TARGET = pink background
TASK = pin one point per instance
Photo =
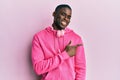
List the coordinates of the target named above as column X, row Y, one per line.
column 98, row 21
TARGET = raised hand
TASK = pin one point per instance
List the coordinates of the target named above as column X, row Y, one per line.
column 71, row 50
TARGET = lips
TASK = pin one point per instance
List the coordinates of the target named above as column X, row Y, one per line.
column 64, row 23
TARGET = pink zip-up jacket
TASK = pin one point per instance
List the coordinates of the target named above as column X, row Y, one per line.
column 50, row 59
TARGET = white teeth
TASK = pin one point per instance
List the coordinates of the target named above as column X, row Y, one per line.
column 64, row 23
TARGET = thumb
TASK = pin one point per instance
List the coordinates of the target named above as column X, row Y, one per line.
column 69, row 43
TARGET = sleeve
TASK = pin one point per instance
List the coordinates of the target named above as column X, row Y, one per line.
column 42, row 65
column 80, row 63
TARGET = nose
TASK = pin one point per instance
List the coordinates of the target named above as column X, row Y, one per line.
column 66, row 18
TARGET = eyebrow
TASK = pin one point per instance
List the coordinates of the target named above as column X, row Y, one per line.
column 66, row 14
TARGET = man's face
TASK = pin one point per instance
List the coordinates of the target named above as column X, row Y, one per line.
column 62, row 18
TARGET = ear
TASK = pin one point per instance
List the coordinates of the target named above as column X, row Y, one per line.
column 54, row 13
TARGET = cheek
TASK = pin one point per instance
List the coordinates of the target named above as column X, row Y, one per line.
column 58, row 19
column 68, row 21
column 61, row 17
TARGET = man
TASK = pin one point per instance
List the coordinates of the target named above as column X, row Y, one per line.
column 57, row 52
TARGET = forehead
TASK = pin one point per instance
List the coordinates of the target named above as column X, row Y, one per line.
column 65, row 9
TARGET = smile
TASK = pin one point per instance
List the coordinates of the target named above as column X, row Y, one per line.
column 64, row 23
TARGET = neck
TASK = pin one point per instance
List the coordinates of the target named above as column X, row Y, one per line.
column 56, row 27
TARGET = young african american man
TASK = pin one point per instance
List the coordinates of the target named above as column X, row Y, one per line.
column 57, row 51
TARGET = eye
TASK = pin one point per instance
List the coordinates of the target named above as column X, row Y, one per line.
column 63, row 14
column 69, row 17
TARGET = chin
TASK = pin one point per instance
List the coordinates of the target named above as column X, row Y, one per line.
column 63, row 27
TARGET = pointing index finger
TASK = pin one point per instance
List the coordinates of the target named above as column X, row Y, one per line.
column 79, row 45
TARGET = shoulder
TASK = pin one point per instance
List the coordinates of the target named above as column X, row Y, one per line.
column 40, row 33
column 75, row 35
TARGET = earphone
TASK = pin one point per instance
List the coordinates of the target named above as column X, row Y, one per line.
column 60, row 33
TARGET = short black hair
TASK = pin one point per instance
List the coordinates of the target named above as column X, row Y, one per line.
column 62, row 6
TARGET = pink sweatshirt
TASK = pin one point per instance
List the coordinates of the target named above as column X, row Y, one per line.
column 51, row 60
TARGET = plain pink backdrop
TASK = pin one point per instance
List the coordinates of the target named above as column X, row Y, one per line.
column 98, row 21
